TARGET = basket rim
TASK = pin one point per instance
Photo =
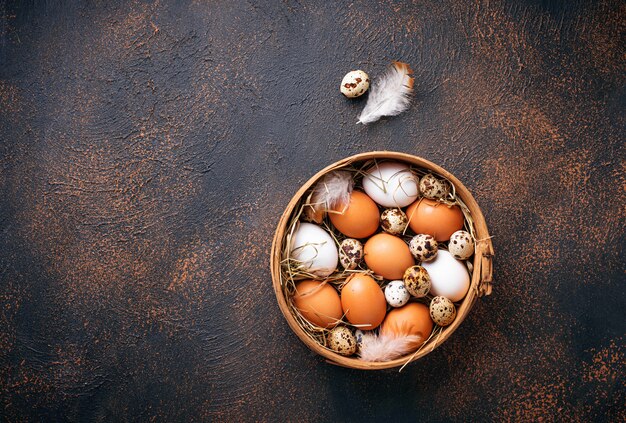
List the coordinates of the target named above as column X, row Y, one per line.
column 475, row 285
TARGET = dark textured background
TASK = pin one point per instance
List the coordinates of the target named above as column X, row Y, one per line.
column 149, row 148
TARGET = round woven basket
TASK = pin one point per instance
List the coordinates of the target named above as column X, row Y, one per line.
column 482, row 262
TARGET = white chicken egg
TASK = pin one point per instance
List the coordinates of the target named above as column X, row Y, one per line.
column 314, row 249
column 448, row 276
column 391, row 184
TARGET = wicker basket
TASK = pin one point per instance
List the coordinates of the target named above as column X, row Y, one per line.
column 481, row 275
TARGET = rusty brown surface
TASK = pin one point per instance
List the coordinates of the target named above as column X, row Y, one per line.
column 147, row 150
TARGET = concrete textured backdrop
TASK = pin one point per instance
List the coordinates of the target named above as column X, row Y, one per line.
column 148, row 149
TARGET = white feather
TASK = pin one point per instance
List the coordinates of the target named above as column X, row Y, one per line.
column 389, row 96
column 332, row 191
column 387, row 346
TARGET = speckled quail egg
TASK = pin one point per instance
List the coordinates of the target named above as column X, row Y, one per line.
column 417, row 281
column 355, row 83
column 350, row 253
column 341, row 340
column 358, row 336
column 396, row 294
column 461, row 245
column 393, row 221
column 432, row 187
column 423, row 247
column 442, row 311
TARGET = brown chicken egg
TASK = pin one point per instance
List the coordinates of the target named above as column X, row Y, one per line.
column 434, row 218
column 359, row 219
column 411, row 319
column 318, row 302
column 388, row 256
column 363, row 302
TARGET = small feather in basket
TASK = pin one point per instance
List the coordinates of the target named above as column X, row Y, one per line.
column 387, row 346
column 332, row 191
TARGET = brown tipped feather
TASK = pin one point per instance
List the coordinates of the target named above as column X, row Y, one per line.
column 389, row 96
column 331, row 191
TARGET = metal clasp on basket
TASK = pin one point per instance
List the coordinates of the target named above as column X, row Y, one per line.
column 485, row 249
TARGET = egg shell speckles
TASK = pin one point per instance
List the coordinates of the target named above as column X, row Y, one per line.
column 433, row 188
column 350, row 253
column 355, row 84
column 442, row 311
column 342, row 341
column 417, row 281
column 393, row 221
column 358, row 336
column 461, row 245
column 396, row 294
column 424, row 247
